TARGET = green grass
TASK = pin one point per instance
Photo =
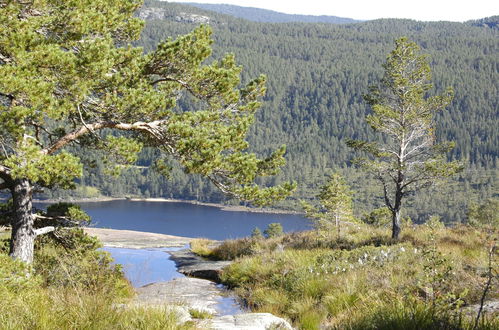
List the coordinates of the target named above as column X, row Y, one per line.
column 38, row 308
column 200, row 314
column 364, row 279
column 202, row 247
column 77, row 288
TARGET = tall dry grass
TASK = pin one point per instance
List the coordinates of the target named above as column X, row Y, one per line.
column 364, row 279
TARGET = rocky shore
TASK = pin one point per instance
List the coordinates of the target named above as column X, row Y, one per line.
column 182, row 295
column 136, row 239
column 231, row 208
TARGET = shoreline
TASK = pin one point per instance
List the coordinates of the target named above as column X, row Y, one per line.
column 78, row 200
column 132, row 239
column 229, row 208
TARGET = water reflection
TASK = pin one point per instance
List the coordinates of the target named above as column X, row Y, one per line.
column 145, row 266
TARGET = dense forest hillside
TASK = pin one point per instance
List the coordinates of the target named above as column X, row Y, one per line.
column 491, row 22
column 316, row 76
column 269, row 16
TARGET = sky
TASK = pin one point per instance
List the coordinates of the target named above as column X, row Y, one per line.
column 422, row 10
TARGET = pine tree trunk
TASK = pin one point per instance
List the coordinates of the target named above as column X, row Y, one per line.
column 337, row 224
column 396, row 224
column 397, row 207
column 23, row 234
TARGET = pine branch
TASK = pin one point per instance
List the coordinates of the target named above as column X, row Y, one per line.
column 151, row 128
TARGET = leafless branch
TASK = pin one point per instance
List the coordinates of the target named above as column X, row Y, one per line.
column 29, row 137
column 44, row 230
column 180, row 82
column 5, row 173
column 4, row 150
column 225, row 188
column 85, row 124
column 5, row 59
column 486, row 289
column 385, row 192
column 151, row 128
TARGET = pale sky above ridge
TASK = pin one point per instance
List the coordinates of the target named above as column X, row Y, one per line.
column 422, row 10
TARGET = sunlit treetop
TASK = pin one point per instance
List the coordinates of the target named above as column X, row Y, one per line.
column 67, row 71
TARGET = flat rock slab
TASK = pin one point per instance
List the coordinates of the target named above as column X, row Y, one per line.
column 182, row 294
column 193, row 292
column 248, row 321
column 490, row 307
column 136, row 239
column 191, row 264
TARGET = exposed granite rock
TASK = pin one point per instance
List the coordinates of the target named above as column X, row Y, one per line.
column 191, row 264
column 192, row 18
column 489, row 307
column 136, row 239
column 248, row 321
column 183, row 294
column 193, row 292
column 154, row 13
column 182, row 313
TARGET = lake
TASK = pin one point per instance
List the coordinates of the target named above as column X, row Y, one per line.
column 185, row 219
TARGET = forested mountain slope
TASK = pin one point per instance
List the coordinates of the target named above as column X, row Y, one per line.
column 490, row 22
column 269, row 16
column 317, row 74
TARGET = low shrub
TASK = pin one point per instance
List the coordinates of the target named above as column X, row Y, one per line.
column 77, row 262
column 202, row 247
column 273, row 230
column 200, row 314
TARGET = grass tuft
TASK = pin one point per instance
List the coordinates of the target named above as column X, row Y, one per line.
column 200, row 314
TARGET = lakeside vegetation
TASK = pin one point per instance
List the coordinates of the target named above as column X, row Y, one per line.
column 357, row 279
column 363, row 279
column 71, row 285
column 316, row 76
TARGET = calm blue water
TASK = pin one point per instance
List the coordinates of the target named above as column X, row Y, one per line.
column 145, row 266
column 184, row 219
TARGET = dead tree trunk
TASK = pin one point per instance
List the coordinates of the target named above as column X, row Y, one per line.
column 396, row 224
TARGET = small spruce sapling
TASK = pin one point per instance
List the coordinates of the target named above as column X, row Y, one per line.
column 335, row 205
column 273, row 230
column 257, row 233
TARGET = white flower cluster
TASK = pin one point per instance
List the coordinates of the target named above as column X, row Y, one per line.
column 373, row 257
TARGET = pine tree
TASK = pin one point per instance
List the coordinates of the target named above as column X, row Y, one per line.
column 408, row 159
column 68, row 72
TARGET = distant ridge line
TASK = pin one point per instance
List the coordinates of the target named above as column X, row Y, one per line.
column 269, row 16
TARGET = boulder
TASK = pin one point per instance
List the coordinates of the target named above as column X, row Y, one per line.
column 490, row 307
column 192, row 292
column 248, row 321
column 181, row 312
column 193, row 265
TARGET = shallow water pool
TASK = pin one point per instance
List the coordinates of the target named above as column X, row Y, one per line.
column 146, row 266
